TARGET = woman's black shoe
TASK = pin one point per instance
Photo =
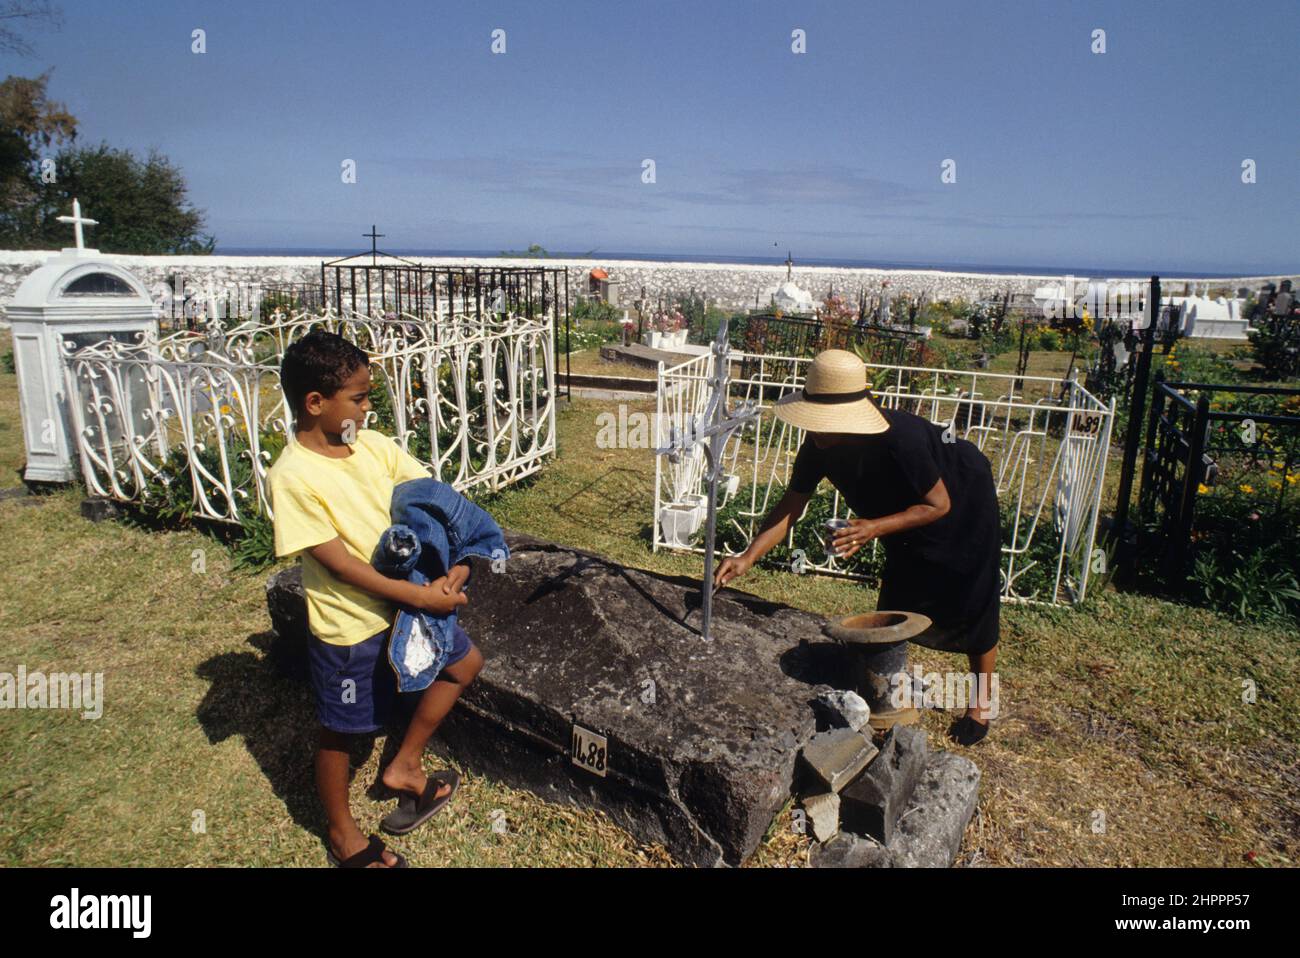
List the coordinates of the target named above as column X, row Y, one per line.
column 967, row 731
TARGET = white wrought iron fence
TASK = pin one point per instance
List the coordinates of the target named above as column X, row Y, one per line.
column 1046, row 439
column 473, row 399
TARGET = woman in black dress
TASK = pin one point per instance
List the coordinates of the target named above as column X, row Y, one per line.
column 927, row 495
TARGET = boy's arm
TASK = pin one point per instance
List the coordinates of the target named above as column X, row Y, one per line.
column 454, row 581
column 346, row 567
column 405, row 467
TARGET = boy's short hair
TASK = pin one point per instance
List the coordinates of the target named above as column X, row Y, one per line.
column 319, row 362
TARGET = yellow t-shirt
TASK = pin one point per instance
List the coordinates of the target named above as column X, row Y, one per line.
column 314, row 499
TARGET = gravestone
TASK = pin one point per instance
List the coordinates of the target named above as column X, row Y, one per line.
column 82, row 298
column 1205, row 318
column 597, row 689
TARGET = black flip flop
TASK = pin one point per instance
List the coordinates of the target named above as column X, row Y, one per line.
column 410, row 813
column 967, row 731
column 373, row 852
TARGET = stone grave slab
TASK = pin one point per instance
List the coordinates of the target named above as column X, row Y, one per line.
column 637, row 354
column 689, row 743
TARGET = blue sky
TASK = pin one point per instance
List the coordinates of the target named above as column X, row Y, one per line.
column 1128, row 159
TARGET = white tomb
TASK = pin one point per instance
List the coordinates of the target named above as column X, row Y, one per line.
column 1205, row 318
column 77, row 296
column 791, row 298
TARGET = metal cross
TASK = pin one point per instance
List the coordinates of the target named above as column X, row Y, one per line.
column 711, row 433
column 77, row 220
column 374, row 237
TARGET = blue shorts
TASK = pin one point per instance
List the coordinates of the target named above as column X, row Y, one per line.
column 356, row 688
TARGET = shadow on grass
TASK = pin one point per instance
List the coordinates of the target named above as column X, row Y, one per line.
column 605, row 501
column 267, row 700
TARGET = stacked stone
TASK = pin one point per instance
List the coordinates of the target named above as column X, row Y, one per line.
column 732, row 287
column 892, row 805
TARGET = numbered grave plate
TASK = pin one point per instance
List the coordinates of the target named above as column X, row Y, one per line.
column 1087, row 422
column 589, row 750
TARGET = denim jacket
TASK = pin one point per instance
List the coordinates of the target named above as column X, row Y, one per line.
column 434, row 528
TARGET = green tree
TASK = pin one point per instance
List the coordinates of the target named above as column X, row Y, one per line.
column 29, row 124
column 141, row 205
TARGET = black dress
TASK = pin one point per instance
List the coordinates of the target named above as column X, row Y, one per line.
column 949, row 569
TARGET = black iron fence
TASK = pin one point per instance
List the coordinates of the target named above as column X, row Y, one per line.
column 1221, row 465
column 444, row 292
column 394, row 288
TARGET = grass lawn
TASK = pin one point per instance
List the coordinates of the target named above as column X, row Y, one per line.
column 588, row 363
column 1129, row 707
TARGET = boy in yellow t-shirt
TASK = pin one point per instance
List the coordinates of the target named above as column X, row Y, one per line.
column 331, row 489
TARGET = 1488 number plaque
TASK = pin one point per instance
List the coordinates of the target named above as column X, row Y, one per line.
column 589, row 750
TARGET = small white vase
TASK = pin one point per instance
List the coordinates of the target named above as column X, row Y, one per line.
column 678, row 523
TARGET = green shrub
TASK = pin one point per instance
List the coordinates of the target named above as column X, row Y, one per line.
column 1190, row 363
column 1035, row 568
column 1252, row 586
column 594, row 311
column 998, row 341
column 169, row 501
column 809, row 534
column 1276, row 348
column 579, row 340
column 944, row 353
column 255, row 549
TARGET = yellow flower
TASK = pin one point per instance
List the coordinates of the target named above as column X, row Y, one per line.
column 1244, row 487
column 225, row 409
column 1202, row 488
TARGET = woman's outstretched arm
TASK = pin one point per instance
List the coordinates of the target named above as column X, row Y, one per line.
column 775, row 528
column 934, row 506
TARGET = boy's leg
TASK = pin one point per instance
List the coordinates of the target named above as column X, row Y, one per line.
column 332, row 775
column 340, row 679
column 406, row 773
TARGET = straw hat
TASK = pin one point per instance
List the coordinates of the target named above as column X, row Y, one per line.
column 835, row 397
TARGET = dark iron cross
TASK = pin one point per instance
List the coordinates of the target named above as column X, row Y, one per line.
column 374, row 237
column 711, row 433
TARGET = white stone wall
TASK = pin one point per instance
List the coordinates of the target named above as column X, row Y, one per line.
column 729, row 286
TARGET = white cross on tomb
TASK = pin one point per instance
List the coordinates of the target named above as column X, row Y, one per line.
column 77, row 220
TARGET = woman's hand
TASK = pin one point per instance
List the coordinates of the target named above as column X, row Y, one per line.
column 732, row 568
column 849, row 540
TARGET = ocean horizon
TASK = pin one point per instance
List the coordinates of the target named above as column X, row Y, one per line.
column 749, row 260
